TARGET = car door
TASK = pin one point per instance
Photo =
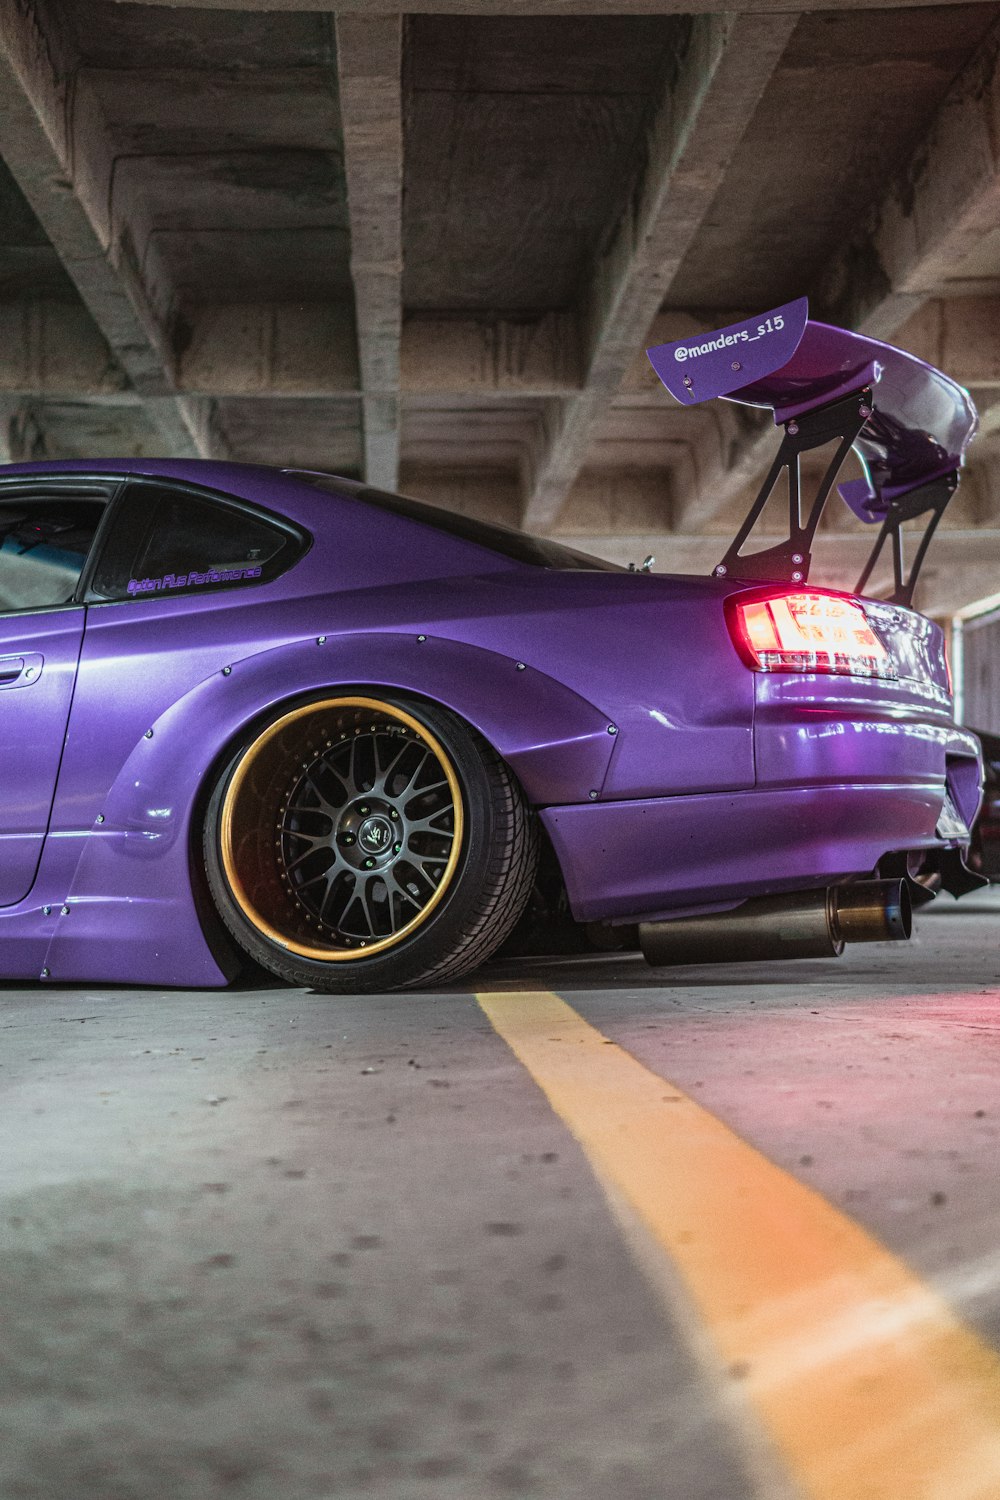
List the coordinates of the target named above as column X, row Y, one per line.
column 47, row 530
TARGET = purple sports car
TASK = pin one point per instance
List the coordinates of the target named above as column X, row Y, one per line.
column 277, row 715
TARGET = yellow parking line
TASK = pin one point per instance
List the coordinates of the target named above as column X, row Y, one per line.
column 867, row 1383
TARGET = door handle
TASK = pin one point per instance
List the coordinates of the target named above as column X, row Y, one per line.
column 20, row 671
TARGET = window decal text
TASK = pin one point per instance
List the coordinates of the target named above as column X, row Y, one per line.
column 194, row 579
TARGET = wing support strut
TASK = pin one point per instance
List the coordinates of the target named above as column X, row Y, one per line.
column 930, row 500
column 790, row 560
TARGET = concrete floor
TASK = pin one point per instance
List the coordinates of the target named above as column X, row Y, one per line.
column 270, row 1245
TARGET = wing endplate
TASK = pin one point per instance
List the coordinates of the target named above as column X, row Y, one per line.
column 716, row 364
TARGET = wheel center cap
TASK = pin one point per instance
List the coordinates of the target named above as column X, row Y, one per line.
column 375, row 835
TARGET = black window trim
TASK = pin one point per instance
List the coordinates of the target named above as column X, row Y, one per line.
column 298, row 534
column 78, row 486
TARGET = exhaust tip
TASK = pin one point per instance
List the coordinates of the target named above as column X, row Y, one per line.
column 872, row 911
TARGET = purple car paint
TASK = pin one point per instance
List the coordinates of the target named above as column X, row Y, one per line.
column 668, row 775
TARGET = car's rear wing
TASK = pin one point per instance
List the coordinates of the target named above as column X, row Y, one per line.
column 907, row 422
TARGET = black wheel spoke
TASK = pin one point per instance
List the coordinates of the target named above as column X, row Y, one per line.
column 396, row 882
column 303, row 836
column 412, row 775
column 307, row 885
column 300, row 859
column 304, row 810
column 310, row 781
column 405, row 905
column 347, row 923
column 431, row 823
column 338, row 895
column 355, row 775
column 378, row 913
column 418, row 799
column 384, row 773
column 416, row 882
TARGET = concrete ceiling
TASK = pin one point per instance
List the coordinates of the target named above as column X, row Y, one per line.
column 430, row 247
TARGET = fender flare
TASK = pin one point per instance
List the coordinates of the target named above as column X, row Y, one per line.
column 556, row 742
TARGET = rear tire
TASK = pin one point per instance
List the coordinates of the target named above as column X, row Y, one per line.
column 368, row 842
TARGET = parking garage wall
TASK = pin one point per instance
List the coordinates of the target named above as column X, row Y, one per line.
column 981, row 672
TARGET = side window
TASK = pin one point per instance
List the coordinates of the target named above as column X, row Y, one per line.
column 44, row 542
column 172, row 542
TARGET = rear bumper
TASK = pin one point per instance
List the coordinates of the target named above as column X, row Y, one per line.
column 648, row 858
column 858, row 731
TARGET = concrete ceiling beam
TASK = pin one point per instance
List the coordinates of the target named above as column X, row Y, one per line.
column 700, row 121
column 51, row 348
column 960, row 335
column 307, row 349
column 369, row 66
column 936, row 212
column 989, row 424
column 492, row 356
column 21, row 437
column 532, row 7
column 53, row 144
column 270, row 349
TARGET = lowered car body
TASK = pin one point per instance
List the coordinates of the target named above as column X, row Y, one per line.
column 274, row 713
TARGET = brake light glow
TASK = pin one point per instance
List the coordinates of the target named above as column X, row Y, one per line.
column 807, row 632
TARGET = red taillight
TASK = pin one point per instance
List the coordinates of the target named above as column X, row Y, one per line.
column 806, row 632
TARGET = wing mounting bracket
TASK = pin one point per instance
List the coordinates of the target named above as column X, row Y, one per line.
column 840, row 422
column 930, row 500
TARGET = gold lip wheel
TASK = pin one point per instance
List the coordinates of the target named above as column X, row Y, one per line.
column 238, row 825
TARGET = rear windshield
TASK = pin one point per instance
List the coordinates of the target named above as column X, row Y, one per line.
column 537, row 552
